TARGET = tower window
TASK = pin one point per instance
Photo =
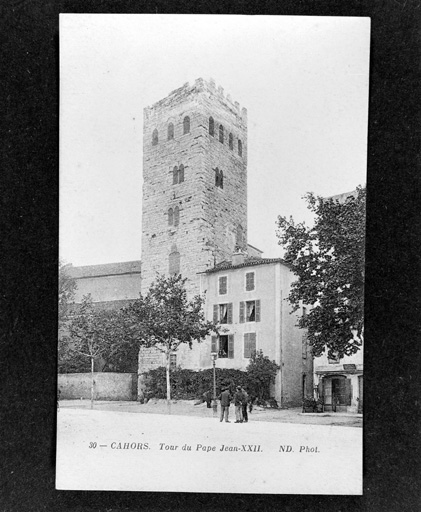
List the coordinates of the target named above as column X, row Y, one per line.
column 174, row 261
column 170, row 217
column 219, row 178
column 231, row 144
column 175, row 176
column 155, row 137
column 221, row 133
column 240, row 147
column 211, row 126
column 176, row 216
column 186, row 125
column 181, row 174
column 239, row 238
column 170, row 131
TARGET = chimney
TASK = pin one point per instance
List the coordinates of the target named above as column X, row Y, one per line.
column 238, row 258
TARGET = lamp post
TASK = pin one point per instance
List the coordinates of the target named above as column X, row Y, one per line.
column 215, row 407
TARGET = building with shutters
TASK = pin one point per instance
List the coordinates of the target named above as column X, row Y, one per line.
column 246, row 295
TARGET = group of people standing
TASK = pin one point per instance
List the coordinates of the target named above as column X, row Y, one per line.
column 241, row 400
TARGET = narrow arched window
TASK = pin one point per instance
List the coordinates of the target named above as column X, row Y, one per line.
column 175, row 176
column 170, row 217
column 186, row 125
column 181, row 174
column 221, row 179
column 217, row 177
column 155, row 137
column 240, row 147
column 176, row 216
column 231, row 143
column 239, row 236
column 170, row 131
column 221, row 133
column 174, row 261
column 211, row 126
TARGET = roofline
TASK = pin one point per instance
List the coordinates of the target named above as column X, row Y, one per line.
column 253, row 247
column 263, row 261
column 83, row 269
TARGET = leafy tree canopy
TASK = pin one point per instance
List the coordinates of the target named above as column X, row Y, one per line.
column 66, row 292
column 328, row 260
column 164, row 318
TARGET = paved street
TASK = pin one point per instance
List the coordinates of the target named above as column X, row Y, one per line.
column 187, row 408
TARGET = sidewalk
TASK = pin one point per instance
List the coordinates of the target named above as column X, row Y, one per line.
column 187, row 408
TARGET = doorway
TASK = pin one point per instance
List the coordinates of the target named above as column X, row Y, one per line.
column 336, row 393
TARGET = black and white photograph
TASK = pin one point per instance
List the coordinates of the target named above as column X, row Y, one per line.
column 212, row 209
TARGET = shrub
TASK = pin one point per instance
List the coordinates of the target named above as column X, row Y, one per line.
column 190, row 384
column 261, row 372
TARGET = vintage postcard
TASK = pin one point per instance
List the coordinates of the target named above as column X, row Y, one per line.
column 212, row 229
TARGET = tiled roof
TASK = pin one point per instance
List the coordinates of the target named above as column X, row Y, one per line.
column 249, row 262
column 107, row 269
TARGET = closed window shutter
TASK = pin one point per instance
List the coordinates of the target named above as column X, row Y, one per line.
column 229, row 313
column 231, row 346
column 252, row 343
column 246, row 345
column 222, row 285
column 214, row 344
column 348, row 392
column 250, row 281
column 215, row 313
column 257, row 310
column 241, row 312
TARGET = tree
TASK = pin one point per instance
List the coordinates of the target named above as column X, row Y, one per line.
column 88, row 335
column 261, row 372
column 66, row 292
column 328, row 260
column 165, row 319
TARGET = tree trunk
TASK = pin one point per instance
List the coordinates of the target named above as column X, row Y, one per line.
column 168, row 383
column 92, row 382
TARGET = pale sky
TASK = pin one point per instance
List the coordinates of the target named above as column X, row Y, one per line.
column 303, row 80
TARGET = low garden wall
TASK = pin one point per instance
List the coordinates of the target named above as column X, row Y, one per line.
column 107, row 386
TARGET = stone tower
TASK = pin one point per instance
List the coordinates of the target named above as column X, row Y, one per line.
column 195, row 182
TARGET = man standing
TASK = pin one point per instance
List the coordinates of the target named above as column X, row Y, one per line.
column 238, row 402
column 225, row 398
column 244, row 405
column 207, row 397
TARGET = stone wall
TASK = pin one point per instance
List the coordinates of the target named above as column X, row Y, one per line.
column 107, row 386
column 209, row 215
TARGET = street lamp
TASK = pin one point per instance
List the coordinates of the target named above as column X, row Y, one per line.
column 214, row 357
